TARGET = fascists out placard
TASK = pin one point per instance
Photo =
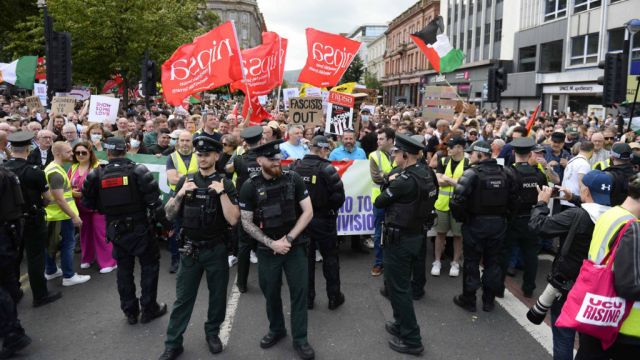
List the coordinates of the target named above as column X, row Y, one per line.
column 339, row 113
column 63, row 104
column 306, row 111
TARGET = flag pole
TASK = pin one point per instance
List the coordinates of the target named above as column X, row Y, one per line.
column 244, row 76
column 279, row 75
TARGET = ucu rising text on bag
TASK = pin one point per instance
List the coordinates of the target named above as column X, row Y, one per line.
column 601, row 310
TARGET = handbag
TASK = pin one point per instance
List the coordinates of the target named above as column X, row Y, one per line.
column 592, row 306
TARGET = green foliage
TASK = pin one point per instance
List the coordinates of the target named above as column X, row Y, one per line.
column 354, row 71
column 371, row 81
column 14, row 13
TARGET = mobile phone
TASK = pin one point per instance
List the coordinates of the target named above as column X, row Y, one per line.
column 555, row 192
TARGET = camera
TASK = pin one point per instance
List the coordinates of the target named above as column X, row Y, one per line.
column 538, row 311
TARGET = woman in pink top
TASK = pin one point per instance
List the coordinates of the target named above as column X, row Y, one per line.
column 93, row 231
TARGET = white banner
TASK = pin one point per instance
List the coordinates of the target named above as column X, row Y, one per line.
column 40, row 90
column 103, row 109
column 289, row 93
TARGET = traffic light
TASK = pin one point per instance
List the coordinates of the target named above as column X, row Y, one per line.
column 614, row 81
column 59, row 62
column 497, row 83
column 149, row 77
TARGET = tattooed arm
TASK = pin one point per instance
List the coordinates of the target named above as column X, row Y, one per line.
column 252, row 229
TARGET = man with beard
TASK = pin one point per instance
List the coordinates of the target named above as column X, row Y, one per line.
column 275, row 210
column 348, row 150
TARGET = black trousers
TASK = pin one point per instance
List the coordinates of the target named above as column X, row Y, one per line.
column 323, row 236
column 518, row 234
column 245, row 244
column 9, row 322
column 591, row 349
column 34, row 238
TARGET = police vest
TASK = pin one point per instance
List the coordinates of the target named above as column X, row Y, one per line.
column 414, row 214
column 385, row 165
column 118, row 191
column 528, row 177
column 181, row 168
column 601, row 165
column 250, row 166
column 309, row 170
column 605, row 231
column 444, row 195
column 32, row 198
column 202, row 211
column 12, row 200
column 54, row 212
column 490, row 196
column 276, row 207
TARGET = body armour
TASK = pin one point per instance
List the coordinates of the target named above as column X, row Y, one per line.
column 309, row 171
column 491, row 194
column 529, row 179
column 414, row 214
column 202, row 211
column 118, row 190
column 276, row 207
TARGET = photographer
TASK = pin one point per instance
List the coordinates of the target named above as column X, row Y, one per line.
column 574, row 226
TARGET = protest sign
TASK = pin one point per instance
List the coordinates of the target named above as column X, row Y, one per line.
column 306, row 111
column 263, row 99
column 289, row 93
column 33, row 102
column 339, row 113
column 63, row 105
column 313, row 91
column 261, row 67
column 103, row 109
column 439, row 103
column 40, row 90
column 436, row 113
column 441, row 92
column 78, row 93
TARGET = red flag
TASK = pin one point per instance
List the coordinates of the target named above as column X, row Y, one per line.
column 210, row 61
column 261, row 66
column 116, row 81
column 234, row 112
column 258, row 113
column 272, row 37
column 533, row 118
column 41, row 69
column 328, row 57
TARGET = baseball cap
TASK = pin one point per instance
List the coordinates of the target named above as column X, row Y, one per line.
column 320, row 141
column 115, row 143
column 621, row 151
column 458, row 140
column 599, row 184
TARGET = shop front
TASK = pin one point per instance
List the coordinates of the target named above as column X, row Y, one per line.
column 571, row 97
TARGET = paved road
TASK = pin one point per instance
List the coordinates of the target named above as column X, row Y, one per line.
column 88, row 324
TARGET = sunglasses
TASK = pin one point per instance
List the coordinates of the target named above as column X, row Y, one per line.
column 82, row 153
column 608, row 138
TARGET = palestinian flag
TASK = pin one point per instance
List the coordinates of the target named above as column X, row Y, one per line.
column 21, row 72
column 442, row 56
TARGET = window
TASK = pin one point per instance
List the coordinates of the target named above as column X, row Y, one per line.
column 527, row 59
column 469, row 38
column 461, row 40
column 487, row 33
column 584, row 49
column 616, row 39
column 477, row 36
column 635, row 52
column 551, row 57
column 498, row 31
column 555, row 9
column 582, row 5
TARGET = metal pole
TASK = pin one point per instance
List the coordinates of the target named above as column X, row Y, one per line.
column 144, row 87
column 48, row 32
column 633, row 105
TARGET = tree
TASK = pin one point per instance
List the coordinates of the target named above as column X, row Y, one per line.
column 14, row 12
column 371, row 81
column 354, row 71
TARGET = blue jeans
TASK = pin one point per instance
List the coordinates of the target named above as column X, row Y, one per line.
column 67, row 245
column 378, row 216
column 563, row 338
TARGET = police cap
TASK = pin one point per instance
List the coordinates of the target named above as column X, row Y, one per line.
column 320, row 141
column 252, row 134
column 406, row 143
column 115, row 143
column 456, row 140
column 523, row 145
column 269, row 150
column 480, row 146
column 21, row 138
column 205, row 144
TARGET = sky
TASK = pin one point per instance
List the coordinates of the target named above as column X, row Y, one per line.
column 289, row 18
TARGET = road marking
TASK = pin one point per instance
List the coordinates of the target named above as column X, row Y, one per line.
column 547, row 257
column 232, row 307
column 517, row 310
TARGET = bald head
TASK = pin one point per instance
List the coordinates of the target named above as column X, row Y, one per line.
column 185, row 145
column 34, row 126
column 62, row 152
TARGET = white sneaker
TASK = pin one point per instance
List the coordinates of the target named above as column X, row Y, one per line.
column 57, row 274
column 369, row 243
column 108, row 269
column 455, row 269
column 75, row 280
column 435, row 269
column 318, row 256
column 253, row 258
column 85, row 265
column 232, row 260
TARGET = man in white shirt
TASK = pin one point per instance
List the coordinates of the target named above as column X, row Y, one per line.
column 576, row 168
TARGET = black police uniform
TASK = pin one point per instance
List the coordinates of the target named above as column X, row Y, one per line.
column 275, row 207
column 620, row 173
column 33, row 184
column 327, row 196
column 246, row 165
column 128, row 195
column 203, row 250
column 10, row 235
column 528, row 179
column 408, row 202
column 481, row 201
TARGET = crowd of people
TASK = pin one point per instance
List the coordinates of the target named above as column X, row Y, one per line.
column 592, row 166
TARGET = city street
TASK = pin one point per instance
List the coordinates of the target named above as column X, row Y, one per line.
column 88, row 324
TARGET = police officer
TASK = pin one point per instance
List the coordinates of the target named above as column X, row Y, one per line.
column 36, row 195
column 14, row 336
column 244, row 166
column 407, row 203
column 207, row 205
column 126, row 193
column 481, row 200
column 275, row 209
column 528, row 179
column 621, row 170
column 327, row 196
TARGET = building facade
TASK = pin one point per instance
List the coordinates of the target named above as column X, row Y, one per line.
column 374, row 62
column 405, row 66
column 559, row 46
column 366, row 34
column 247, row 17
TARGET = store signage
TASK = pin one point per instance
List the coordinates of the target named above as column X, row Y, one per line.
column 572, row 89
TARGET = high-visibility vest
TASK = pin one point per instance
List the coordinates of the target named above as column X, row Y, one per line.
column 445, row 192
column 604, row 232
column 181, row 167
column 54, row 212
column 601, row 165
column 385, row 165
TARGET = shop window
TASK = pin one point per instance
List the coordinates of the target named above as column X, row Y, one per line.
column 582, row 5
column 527, row 59
column 616, row 39
column 551, row 57
column 584, row 49
column 555, row 9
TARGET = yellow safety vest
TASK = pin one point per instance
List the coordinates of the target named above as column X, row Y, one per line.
column 54, row 212
column 181, row 167
column 445, row 192
column 383, row 164
column 601, row 165
column 606, row 229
